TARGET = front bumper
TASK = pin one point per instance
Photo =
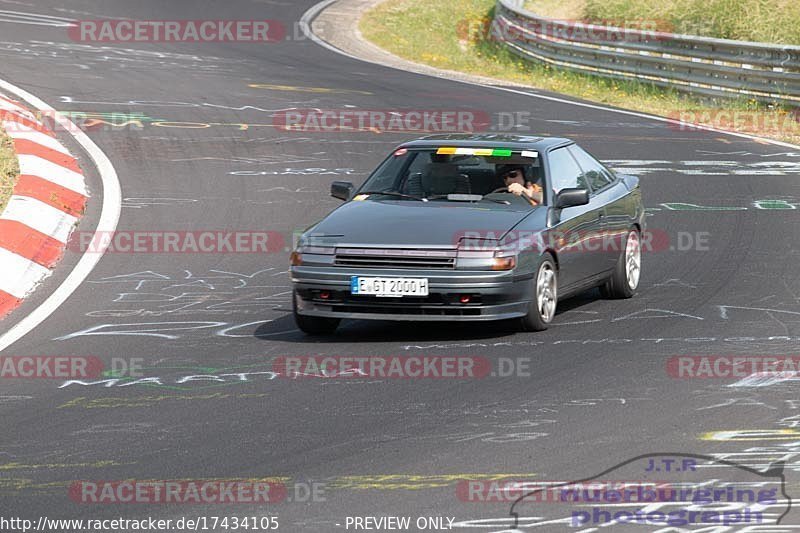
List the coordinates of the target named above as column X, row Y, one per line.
column 493, row 295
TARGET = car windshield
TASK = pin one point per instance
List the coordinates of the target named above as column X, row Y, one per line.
column 452, row 174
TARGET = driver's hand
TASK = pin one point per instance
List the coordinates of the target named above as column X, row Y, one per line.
column 537, row 194
column 516, row 188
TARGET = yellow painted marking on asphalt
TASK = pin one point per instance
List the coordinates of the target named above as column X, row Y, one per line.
column 752, row 435
column 183, row 125
column 110, row 402
column 295, row 88
column 415, row 482
column 19, row 484
column 37, row 466
column 15, row 485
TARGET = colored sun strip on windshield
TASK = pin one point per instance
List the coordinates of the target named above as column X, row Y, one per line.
column 494, row 152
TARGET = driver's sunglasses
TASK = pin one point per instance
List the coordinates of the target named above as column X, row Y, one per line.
column 512, row 174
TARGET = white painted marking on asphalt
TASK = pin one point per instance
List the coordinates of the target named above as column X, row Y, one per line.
column 21, row 132
column 40, row 216
column 19, row 276
column 37, row 19
column 47, row 170
column 109, row 217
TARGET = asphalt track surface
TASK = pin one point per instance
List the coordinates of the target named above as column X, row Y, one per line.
column 598, row 392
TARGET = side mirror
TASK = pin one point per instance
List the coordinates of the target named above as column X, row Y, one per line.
column 342, row 190
column 571, row 198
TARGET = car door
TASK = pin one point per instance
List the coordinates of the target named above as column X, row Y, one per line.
column 574, row 237
column 607, row 193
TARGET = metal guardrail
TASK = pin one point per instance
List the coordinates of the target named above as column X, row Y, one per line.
column 701, row 65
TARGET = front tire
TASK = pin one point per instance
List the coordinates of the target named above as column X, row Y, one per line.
column 625, row 279
column 314, row 325
column 542, row 308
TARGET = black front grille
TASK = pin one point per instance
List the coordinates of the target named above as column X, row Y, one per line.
column 395, row 258
column 441, row 304
column 398, row 310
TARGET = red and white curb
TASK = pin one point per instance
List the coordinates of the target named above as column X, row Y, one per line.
column 47, row 202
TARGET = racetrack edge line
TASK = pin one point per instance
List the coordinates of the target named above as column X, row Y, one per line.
column 109, row 217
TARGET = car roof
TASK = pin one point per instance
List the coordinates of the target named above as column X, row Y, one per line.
column 487, row 140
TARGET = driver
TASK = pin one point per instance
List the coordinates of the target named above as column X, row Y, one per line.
column 514, row 178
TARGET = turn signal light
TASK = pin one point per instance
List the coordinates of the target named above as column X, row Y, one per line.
column 296, row 259
column 504, row 263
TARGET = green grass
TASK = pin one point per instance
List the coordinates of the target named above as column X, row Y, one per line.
column 448, row 34
column 9, row 169
column 769, row 21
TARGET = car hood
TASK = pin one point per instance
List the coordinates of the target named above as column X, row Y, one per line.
column 407, row 222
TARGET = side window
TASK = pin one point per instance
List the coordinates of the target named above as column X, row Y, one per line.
column 564, row 171
column 594, row 173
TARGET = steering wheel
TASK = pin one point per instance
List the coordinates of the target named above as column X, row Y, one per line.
column 524, row 194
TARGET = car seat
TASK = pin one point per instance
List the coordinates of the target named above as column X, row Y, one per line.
column 444, row 178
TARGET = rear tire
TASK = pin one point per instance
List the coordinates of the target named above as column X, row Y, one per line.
column 314, row 325
column 625, row 279
column 542, row 308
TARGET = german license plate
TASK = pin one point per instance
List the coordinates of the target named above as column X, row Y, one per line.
column 389, row 287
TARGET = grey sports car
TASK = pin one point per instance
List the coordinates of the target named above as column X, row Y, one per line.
column 470, row 227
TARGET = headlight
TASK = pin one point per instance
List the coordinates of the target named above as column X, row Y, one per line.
column 304, row 255
column 485, row 254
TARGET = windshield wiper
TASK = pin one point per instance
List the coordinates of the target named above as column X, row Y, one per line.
column 497, row 201
column 392, row 193
column 477, row 198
